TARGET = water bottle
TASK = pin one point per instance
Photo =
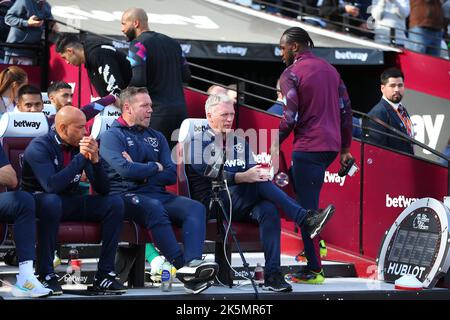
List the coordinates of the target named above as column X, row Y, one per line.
column 259, row 273
column 166, row 277
column 74, row 261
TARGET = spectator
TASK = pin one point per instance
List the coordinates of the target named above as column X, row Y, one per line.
column 26, row 19
column 277, row 107
column 107, row 68
column 4, row 28
column 273, row 9
column 11, row 79
column 159, row 65
column 391, row 111
column 426, row 21
column 29, row 99
column 390, row 14
column 335, row 10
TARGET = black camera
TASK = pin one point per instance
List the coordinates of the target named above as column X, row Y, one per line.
column 344, row 170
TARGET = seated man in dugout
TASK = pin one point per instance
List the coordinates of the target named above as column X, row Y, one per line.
column 253, row 197
column 52, row 167
column 139, row 166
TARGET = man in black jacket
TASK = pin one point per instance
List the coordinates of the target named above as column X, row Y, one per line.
column 108, row 69
column 158, row 64
column 52, row 167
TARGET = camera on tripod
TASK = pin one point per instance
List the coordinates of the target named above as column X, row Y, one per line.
column 349, row 168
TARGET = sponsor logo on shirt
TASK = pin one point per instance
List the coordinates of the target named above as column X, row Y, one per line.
column 130, row 142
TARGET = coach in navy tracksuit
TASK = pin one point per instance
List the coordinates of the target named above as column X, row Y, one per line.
column 254, row 197
column 52, row 168
column 139, row 166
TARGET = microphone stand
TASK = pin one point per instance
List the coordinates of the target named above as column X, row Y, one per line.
column 216, row 203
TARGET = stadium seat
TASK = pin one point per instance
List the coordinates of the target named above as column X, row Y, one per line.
column 49, row 108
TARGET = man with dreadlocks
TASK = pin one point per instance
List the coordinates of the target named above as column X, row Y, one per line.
column 317, row 108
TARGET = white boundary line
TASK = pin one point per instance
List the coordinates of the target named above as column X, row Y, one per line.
column 307, row 27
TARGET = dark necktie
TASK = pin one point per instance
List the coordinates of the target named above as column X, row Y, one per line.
column 405, row 119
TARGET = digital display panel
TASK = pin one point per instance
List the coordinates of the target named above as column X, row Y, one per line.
column 417, row 244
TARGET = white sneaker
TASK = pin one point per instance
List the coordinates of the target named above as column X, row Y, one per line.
column 29, row 287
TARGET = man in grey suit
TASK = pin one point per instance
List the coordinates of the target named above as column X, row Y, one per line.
column 391, row 111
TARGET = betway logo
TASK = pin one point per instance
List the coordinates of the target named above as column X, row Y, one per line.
column 399, row 202
column 349, row 55
column 114, row 113
column 74, row 278
column 235, row 163
column 425, row 129
column 27, row 124
column 231, row 50
column 198, row 128
column 334, row 178
column 402, row 269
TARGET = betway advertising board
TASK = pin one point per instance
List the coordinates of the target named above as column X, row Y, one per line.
column 392, row 182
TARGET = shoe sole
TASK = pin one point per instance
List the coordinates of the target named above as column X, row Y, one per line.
column 328, row 213
column 202, row 273
column 19, row 293
column 200, row 289
column 106, row 292
column 56, row 293
column 316, row 282
column 269, row 288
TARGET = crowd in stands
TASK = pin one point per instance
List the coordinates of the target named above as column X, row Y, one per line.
column 418, row 25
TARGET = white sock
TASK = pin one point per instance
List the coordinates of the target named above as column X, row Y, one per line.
column 26, row 268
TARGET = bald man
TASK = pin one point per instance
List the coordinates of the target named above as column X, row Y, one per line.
column 52, row 167
column 158, row 64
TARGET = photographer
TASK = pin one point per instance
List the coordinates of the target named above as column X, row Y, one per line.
column 26, row 18
column 254, row 198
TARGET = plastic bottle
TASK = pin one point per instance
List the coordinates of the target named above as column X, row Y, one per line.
column 166, row 277
column 74, row 260
column 259, row 273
